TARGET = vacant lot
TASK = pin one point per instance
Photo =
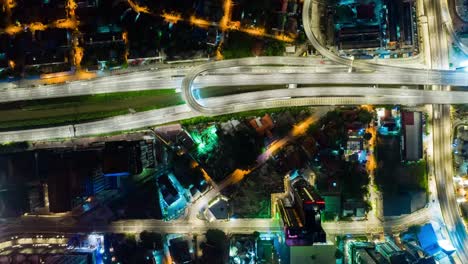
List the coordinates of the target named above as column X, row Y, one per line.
column 393, row 174
column 252, row 197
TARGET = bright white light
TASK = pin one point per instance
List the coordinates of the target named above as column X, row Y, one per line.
column 380, row 112
column 464, row 63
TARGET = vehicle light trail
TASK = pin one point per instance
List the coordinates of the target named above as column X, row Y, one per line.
column 200, row 22
column 173, row 18
column 37, row 26
column 13, row 29
column 137, row 8
column 297, row 131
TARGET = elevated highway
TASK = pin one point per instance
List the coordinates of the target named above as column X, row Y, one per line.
column 238, row 103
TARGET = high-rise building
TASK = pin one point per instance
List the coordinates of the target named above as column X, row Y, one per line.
column 301, row 214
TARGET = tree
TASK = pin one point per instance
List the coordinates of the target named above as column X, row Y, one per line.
column 242, row 147
column 125, row 251
column 275, row 48
column 15, row 146
column 215, row 248
column 354, row 180
column 238, row 45
column 151, row 240
column 365, row 116
column 338, row 254
column 415, row 229
column 367, row 136
column 216, row 237
column 185, row 173
column 256, row 234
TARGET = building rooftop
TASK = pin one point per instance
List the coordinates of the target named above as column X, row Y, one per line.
column 323, row 253
column 66, row 173
column 412, row 133
column 263, row 125
column 306, row 192
column 168, row 191
column 403, row 202
column 428, row 239
column 122, row 158
column 220, row 208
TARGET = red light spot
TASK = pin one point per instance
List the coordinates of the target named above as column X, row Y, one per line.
column 314, row 202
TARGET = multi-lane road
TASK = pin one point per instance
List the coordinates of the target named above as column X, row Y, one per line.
column 32, row 224
column 167, row 78
column 249, row 71
column 241, row 102
column 254, row 71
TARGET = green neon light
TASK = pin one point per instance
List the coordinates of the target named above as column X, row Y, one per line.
column 205, row 140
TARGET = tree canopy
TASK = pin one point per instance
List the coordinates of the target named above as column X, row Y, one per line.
column 215, row 248
column 151, row 240
column 243, row 147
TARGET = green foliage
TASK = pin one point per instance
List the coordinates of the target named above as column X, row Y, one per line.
column 427, row 124
column 184, row 172
column 96, row 98
column 361, row 238
column 367, row 136
column 338, row 240
column 127, row 251
column 250, row 201
column 339, row 254
column 328, row 216
column 263, row 210
column 419, row 170
column 461, row 109
column 88, row 108
column 243, row 147
column 241, row 115
column 389, row 159
column 302, row 37
column 414, row 229
column 215, row 248
column 391, row 168
column 365, row 116
column 344, row 14
column 256, row 234
column 368, row 205
column 354, row 180
column 215, row 237
column 14, row 146
column 56, row 121
column 238, row 45
column 334, row 132
column 151, row 240
column 274, row 48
